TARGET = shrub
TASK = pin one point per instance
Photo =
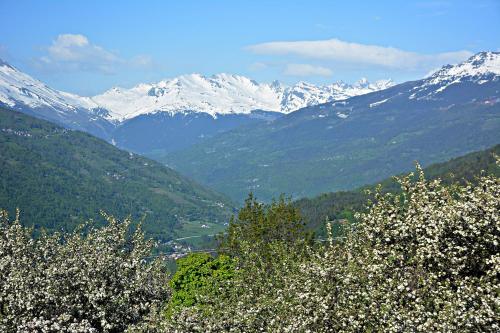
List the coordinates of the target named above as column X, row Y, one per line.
column 196, row 276
column 94, row 280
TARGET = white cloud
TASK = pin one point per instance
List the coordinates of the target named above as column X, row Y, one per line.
column 142, row 60
column 258, row 66
column 76, row 52
column 306, row 70
column 354, row 53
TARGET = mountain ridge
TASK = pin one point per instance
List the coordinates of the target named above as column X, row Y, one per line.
column 222, row 94
column 341, row 206
column 218, row 94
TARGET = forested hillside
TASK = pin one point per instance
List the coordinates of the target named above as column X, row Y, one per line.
column 60, row 178
column 342, row 205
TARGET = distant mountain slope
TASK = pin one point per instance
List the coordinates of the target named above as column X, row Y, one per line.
column 155, row 134
column 59, row 178
column 341, row 205
column 346, row 144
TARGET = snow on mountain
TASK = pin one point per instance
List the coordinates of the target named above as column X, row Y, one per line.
column 481, row 68
column 18, row 89
column 21, row 92
column 478, row 65
column 219, row 94
column 224, row 94
column 303, row 94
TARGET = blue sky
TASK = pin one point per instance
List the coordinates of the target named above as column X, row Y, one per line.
column 87, row 47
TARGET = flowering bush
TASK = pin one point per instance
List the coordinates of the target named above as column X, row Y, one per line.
column 93, row 280
column 425, row 260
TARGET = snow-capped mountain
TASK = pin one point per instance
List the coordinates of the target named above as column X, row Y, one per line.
column 481, row 68
column 477, row 68
column 224, row 94
column 304, row 94
column 469, row 81
column 22, row 92
column 19, row 89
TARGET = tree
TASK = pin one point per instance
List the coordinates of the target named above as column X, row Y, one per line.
column 258, row 225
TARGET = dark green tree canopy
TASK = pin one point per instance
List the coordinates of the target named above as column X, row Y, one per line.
column 258, row 225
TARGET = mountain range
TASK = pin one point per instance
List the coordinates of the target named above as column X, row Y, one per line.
column 236, row 135
column 345, row 144
column 223, row 94
column 170, row 114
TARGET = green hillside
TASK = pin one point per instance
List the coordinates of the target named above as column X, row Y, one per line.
column 60, row 178
column 342, row 205
column 344, row 145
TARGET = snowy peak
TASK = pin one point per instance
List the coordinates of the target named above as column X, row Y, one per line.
column 18, row 89
column 217, row 94
column 362, row 83
column 479, row 69
column 224, row 94
column 479, row 65
column 21, row 92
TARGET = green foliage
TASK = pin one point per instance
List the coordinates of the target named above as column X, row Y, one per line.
column 60, row 178
column 259, row 225
column 197, row 274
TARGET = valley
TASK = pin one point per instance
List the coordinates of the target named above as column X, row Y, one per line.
column 249, row 166
column 364, row 139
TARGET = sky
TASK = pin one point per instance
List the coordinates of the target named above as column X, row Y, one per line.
column 87, row 47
